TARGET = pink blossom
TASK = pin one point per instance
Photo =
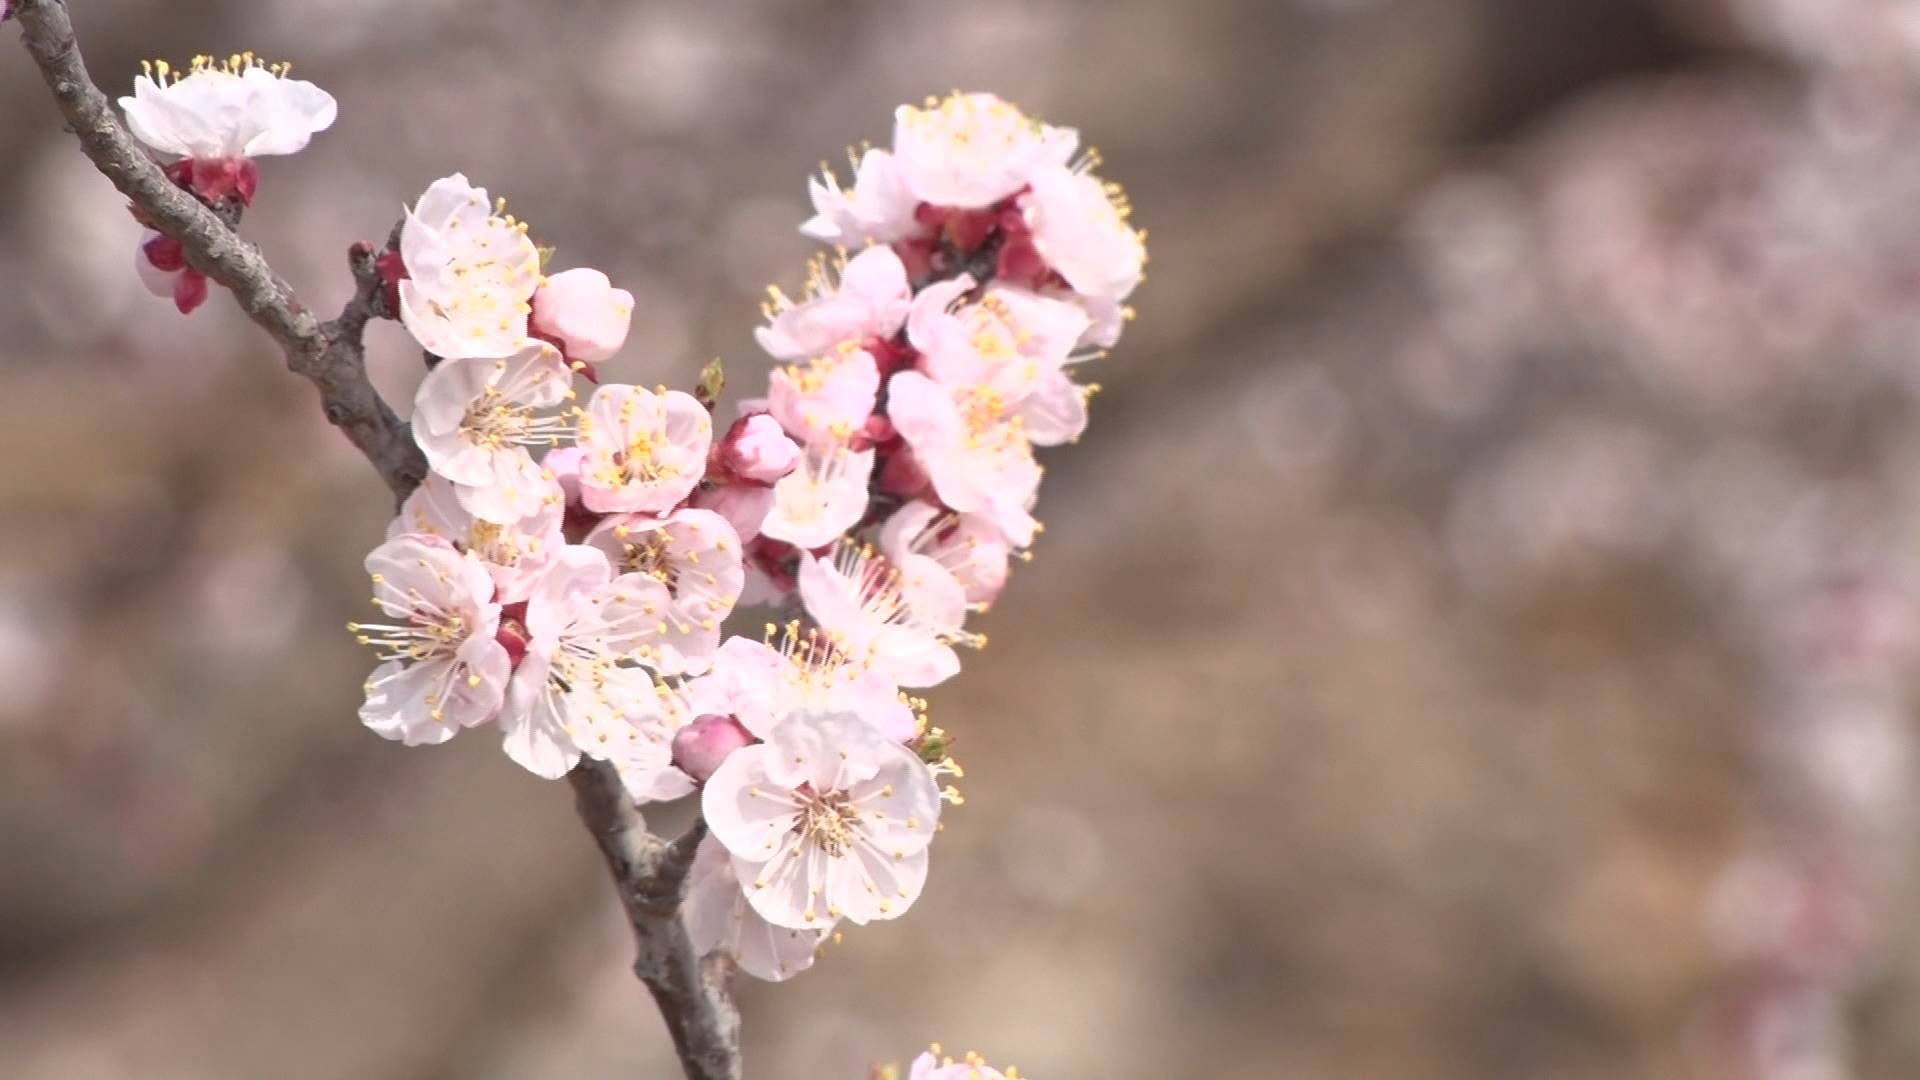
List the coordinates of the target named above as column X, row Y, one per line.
column 827, row 819
column 745, row 506
column 972, row 446
column 934, row 1065
column 878, row 208
column 583, row 313
column 1009, row 339
column 760, row 685
column 1011, row 342
column 471, row 274
column 827, row 400
column 515, row 554
column 441, row 669
column 870, row 300
column 1080, row 226
column 972, row 150
column 900, row 617
column 968, row 546
column 757, row 449
column 818, row 502
column 697, row 556
column 475, row 419
column 572, row 692
column 719, row 919
column 644, row 451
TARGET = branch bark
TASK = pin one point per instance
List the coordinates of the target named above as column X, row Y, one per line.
column 695, row 995
column 331, row 356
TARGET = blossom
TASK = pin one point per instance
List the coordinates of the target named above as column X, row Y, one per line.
column 572, row 691
column 471, row 273
column 644, row 452
column 973, row 448
column 515, row 554
column 827, row 400
column 972, row 150
column 474, row 419
column 818, row 502
column 719, row 919
column 756, row 449
column 877, row 208
column 759, row 684
column 234, row 108
column 934, row 1065
column 441, row 667
column 967, row 546
column 870, row 300
column 162, row 265
column 745, row 506
column 1011, row 342
column 696, row 555
column 580, row 311
column 826, row 819
column 897, row 616
column 1079, row 225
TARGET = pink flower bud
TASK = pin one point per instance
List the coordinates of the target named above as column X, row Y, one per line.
column 189, row 290
column 700, row 747
column 757, row 449
column 580, row 311
column 903, row 475
column 165, row 253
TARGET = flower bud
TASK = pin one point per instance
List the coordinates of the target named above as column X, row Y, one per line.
column 580, row 311
column 903, row 475
column 700, row 747
column 189, row 290
column 757, row 449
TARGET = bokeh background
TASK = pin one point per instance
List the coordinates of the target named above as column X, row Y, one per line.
column 1472, row 643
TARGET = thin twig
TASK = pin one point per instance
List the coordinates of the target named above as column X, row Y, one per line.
column 695, row 996
column 332, row 357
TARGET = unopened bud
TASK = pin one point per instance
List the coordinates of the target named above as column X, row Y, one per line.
column 756, row 449
column 700, row 747
column 189, row 290
column 165, row 253
column 903, row 475
column 513, row 635
column 580, row 311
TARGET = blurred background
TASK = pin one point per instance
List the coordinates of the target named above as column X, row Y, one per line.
column 1472, row 642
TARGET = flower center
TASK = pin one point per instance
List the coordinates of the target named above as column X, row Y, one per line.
column 828, row 820
column 495, row 422
column 428, row 631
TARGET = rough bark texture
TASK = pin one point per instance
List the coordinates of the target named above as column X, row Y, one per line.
column 695, row 997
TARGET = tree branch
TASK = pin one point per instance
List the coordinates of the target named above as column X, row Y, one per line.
column 331, row 356
column 695, row 996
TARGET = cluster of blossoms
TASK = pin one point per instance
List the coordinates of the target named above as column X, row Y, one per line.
column 566, row 569
column 212, row 120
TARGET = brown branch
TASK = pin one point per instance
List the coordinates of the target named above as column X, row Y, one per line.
column 329, row 355
column 695, row 995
